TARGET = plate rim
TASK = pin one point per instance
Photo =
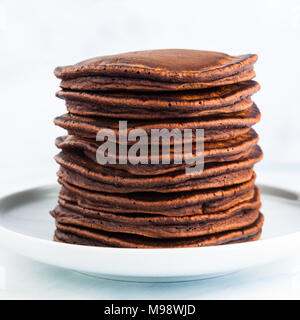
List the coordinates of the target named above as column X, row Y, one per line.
column 163, row 264
column 151, row 250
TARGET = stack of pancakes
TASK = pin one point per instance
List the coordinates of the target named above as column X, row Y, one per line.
column 159, row 205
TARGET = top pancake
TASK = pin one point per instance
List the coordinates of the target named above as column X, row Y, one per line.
column 158, row 70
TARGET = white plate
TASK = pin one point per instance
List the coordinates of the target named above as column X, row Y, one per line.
column 27, row 228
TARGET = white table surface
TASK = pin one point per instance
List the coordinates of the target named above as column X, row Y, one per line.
column 21, row 278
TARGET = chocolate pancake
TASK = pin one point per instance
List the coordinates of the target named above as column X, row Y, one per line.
column 213, row 206
column 79, row 170
column 214, row 127
column 97, row 83
column 220, row 180
column 127, row 112
column 227, row 150
column 224, row 99
column 170, row 204
column 157, row 70
column 85, row 236
column 160, row 227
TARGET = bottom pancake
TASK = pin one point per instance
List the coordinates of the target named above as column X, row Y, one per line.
column 85, row 236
